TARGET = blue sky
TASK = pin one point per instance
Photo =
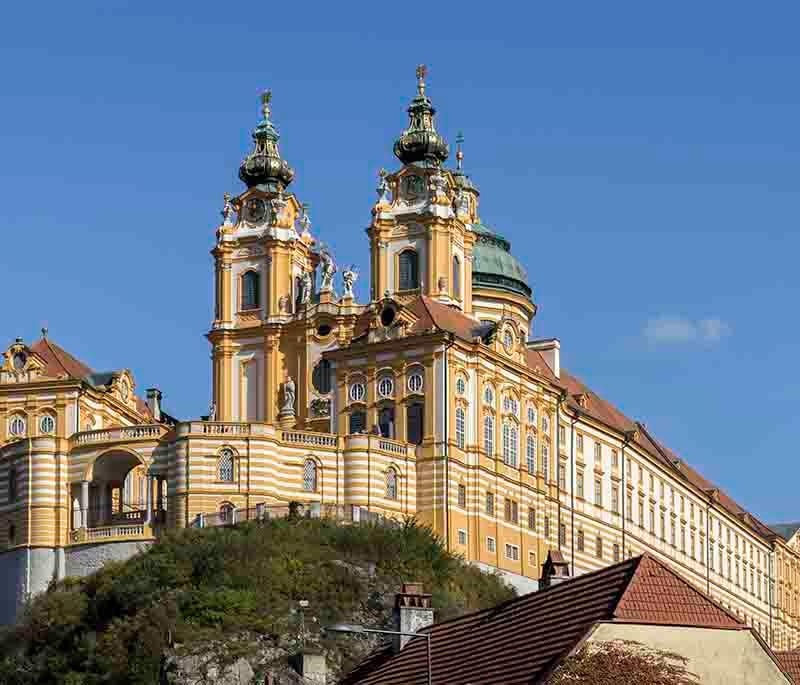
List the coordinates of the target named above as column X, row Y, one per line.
column 644, row 161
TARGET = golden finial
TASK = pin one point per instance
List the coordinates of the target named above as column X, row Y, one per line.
column 459, row 151
column 266, row 98
column 422, row 72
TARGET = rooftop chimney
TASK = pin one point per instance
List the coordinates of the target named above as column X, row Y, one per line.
column 550, row 349
column 412, row 612
column 154, row 403
column 555, row 570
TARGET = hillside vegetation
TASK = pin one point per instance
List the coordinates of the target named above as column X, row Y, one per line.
column 234, row 592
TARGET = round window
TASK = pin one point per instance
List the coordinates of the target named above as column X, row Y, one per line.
column 357, row 392
column 47, row 424
column 17, row 426
column 324, row 330
column 461, row 386
column 124, row 390
column 415, row 382
column 321, row 377
column 385, row 387
column 387, row 316
column 19, row 361
column 508, row 340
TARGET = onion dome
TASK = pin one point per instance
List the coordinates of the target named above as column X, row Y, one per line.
column 494, row 266
column 420, row 142
column 264, row 166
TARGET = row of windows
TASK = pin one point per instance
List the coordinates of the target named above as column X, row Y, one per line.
column 386, row 387
column 18, row 425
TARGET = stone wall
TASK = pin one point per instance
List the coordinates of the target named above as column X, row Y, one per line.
column 83, row 560
column 25, row 572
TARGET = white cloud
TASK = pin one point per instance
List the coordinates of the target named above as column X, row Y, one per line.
column 680, row 330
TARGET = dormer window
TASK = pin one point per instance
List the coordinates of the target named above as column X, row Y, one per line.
column 409, row 270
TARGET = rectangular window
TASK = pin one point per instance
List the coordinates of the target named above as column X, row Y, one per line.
column 616, row 552
column 580, row 541
column 683, row 504
column 462, row 537
column 512, row 552
column 507, row 509
column 661, row 489
column 490, row 504
column 460, row 428
column 598, row 547
column 615, row 459
column 511, row 510
column 532, row 559
column 663, row 526
column 546, row 462
column 691, row 511
column 641, row 476
column 531, row 518
column 691, row 546
column 598, row 492
column 711, row 558
column 598, row 451
column 562, row 534
column 547, row 526
column 579, row 485
column 615, row 499
column 490, row 545
column 462, row 496
column 530, row 454
column 652, row 521
column 562, row 435
column 672, row 533
column 641, row 513
column 562, row 477
column 579, row 442
column 652, row 486
column 629, row 507
column 683, row 539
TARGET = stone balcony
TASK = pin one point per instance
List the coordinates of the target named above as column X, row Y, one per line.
column 122, row 434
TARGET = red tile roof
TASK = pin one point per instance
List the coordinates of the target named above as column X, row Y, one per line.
column 790, row 662
column 58, row 361
column 523, row 640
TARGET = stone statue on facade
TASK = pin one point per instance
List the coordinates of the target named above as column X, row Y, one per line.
column 212, row 412
column 438, row 188
column 305, row 220
column 278, row 204
column 227, row 210
column 328, row 271
column 383, row 188
column 283, row 304
column 287, row 408
column 305, row 288
column 462, row 203
column 349, row 277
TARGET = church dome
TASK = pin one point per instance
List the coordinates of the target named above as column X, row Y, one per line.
column 494, row 266
column 264, row 165
column 420, row 142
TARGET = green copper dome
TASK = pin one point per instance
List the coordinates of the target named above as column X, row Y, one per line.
column 494, row 266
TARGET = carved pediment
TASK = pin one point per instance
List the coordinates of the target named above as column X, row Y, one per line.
column 20, row 364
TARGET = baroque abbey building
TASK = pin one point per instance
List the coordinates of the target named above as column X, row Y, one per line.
column 430, row 400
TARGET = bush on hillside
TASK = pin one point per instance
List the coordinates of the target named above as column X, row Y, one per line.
column 238, row 584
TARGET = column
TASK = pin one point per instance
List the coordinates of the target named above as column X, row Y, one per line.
column 84, row 504
column 160, row 494
column 101, row 504
column 148, row 513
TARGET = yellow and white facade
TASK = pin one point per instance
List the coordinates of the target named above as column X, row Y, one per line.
column 430, row 400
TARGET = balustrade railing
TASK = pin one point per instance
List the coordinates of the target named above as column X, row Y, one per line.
column 144, row 432
column 308, row 438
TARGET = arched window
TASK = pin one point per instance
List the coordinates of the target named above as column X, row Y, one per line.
column 321, row 377
column 250, row 290
column 415, row 417
column 488, row 435
column 386, row 422
column 460, row 427
column 225, row 466
column 310, row 476
column 391, row 484
column 488, row 394
column 226, row 512
column 17, row 425
column 47, row 424
column 409, row 270
column 531, row 454
column 456, row 278
column 510, row 438
column 358, row 422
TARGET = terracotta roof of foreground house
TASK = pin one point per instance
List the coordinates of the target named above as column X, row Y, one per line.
column 523, row 640
column 790, row 662
column 601, row 410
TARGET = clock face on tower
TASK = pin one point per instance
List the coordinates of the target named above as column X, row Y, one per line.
column 255, row 210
